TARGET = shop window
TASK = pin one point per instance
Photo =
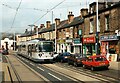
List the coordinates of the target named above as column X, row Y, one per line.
column 98, row 24
column 90, row 59
column 91, row 25
column 72, row 49
column 112, row 51
column 106, row 22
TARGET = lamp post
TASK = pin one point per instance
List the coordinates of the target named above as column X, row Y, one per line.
column 97, row 34
column 31, row 28
column 55, row 37
column 14, row 42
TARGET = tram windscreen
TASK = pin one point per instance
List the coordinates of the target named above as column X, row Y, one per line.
column 46, row 47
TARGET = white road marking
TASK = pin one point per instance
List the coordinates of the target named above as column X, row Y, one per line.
column 55, row 76
column 41, row 76
column 40, row 68
column 32, row 64
column 23, row 58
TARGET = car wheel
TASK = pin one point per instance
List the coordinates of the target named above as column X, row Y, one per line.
column 106, row 68
column 84, row 66
column 68, row 62
column 75, row 64
column 92, row 68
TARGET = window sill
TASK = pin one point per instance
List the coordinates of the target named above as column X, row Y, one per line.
column 106, row 31
column 91, row 33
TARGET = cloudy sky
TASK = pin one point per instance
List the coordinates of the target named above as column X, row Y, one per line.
column 31, row 10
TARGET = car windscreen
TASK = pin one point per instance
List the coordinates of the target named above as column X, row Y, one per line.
column 100, row 59
column 78, row 56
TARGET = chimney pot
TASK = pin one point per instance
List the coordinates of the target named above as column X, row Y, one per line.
column 84, row 12
column 70, row 17
column 47, row 24
column 57, row 20
column 42, row 25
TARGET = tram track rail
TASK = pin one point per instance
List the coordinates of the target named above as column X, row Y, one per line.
column 38, row 66
column 19, row 79
column 14, row 70
column 101, row 77
column 71, row 76
column 89, row 72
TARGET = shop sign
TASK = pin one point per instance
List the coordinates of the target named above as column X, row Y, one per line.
column 76, row 41
column 89, row 40
column 108, row 37
column 80, row 32
column 61, row 41
column 69, row 41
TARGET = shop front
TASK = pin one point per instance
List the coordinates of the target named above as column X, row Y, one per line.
column 69, row 45
column 61, row 46
column 110, row 47
column 77, row 46
column 89, row 46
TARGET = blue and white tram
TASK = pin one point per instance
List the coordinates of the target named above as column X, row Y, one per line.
column 37, row 50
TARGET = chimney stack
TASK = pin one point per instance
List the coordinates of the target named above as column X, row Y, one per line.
column 47, row 24
column 57, row 21
column 70, row 17
column 84, row 12
column 35, row 28
column 42, row 25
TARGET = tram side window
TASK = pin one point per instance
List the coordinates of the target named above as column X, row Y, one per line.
column 19, row 47
column 33, row 48
column 29, row 48
column 37, row 48
column 23, row 47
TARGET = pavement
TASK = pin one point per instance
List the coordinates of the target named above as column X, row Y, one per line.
column 8, row 74
column 115, row 65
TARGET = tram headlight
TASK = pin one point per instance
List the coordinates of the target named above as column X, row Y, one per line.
column 40, row 55
column 51, row 54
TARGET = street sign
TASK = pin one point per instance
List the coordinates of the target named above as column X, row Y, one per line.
column 80, row 32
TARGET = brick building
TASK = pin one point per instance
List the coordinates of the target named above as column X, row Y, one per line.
column 104, row 36
column 81, row 35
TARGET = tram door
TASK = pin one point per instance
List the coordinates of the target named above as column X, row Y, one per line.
column 29, row 50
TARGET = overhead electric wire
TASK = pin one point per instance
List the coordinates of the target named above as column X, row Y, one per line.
column 48, row 11
column 15, row 16
column 8, row 6
column 37, row 9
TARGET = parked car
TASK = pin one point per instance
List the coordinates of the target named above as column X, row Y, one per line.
column 63, row 57
column 94, row 62
column 55, row 55
column 5, row 52
column 76, row 59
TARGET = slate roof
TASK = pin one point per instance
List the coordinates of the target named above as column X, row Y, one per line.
column 51, row 28
column 62, row 24
column 76, row 21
